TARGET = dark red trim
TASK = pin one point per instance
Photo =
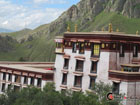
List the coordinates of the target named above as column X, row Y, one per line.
column 124, row 77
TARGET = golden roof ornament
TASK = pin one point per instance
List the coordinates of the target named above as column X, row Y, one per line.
column 76, row 27
column 68, row 28
column 117, row 30
column 137, row 32
column 110, row 27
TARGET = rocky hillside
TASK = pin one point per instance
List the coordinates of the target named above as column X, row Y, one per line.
column 90, row 15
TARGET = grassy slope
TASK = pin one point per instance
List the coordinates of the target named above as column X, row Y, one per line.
column 43, row 47
column 18, row 34
column 123, row 23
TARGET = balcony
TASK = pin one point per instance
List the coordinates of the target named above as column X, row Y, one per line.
column 77, row 89
column 128, row 72
column 59, row 45
column 59, row 51
column 63, row 86
column 124, row 76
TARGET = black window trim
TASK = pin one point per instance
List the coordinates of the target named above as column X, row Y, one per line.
column 91, row 77
column 79, row 70
column 25, row 80
column 136, row 52
column 81, row 78
column 123, row 50
column 80, row 48
column 4, row 76
column 63, row 83
column 9, row 77
column 66, row 67
column 74, row 51
column 39, row 82
column 91, row 71
column 114, row 88
column 92, row 48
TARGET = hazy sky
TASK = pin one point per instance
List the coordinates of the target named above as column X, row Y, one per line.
column 18, row 14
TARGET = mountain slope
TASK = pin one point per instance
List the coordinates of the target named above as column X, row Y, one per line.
column 90, row 15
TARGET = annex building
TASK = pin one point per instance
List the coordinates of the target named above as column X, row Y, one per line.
column 23, row 74
column 83, row 58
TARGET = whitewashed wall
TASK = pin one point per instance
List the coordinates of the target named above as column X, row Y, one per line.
column 102, row 69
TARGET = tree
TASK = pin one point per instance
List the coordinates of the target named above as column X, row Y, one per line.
column 49, row 96
column 101, row 90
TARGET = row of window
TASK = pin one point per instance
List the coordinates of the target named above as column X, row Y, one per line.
column 3, row 88
column 18, row 79
column 78, row 81
column 95, row 49
column 130, row 69
column 80, row 65
column 122, row 50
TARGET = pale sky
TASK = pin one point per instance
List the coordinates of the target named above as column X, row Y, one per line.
column 19, row 14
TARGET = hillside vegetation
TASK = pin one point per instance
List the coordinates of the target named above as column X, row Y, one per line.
column 90, row 15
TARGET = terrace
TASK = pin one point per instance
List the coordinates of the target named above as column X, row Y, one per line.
column 128, row 72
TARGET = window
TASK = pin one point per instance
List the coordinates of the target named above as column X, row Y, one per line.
column 116, row 88
column 17, row 78
column 3, row 87
column 92, row 82
column 96, row 50
column 63, row 91
column 130, row 69
column 9, row 86
column 135, row 51
column 32, row 81
column 94, row 67
column 135, row 69
column 64, row 79
column 16, row 88
column 4, row 76
column 121, row 50
column 81, row 48
column 58, row 45
column 103, row 45
column 79, row 65
column 78, row 81
column 66, row 63
column 114, row 46
column 74, row 47
column 39, row 82
column 25, row 80
column 9, row 77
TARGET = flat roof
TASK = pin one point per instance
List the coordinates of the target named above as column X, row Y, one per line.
column 27, row 63
column 102, row 33
column 59, row 37
column 131, row 65
column 29, row 68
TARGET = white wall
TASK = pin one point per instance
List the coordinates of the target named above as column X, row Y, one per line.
column 102, row 69
column 43, row 83
column 0, row 82
column 59, row 61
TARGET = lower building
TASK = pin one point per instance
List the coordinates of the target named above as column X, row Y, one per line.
column 21, row 75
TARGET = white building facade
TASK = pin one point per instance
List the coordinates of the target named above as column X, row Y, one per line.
column 85, row 58
column 19, row 75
